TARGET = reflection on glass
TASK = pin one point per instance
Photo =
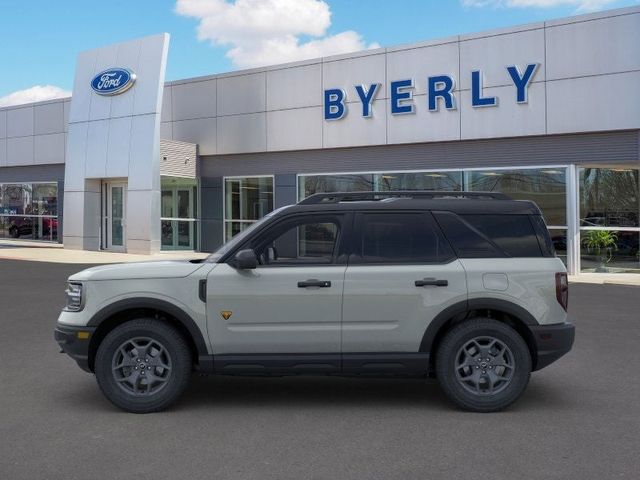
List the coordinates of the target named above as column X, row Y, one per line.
column 448, row 181
column 179, row 201
column 609, row 197
column 184, row 204
column 167, row 203
column 546, row 187
column 248, row 198
column 559, row 240
column 166, row 233
column 310, row 184
column 117, row 207
column 609, row 251
column 29, row 211
column 233, row 228
column 317, row 239
column 45, row 199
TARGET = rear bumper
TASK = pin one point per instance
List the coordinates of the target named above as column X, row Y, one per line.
column 74, row 345
column 552, row 342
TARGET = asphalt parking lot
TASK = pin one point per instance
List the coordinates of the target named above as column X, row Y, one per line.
column 579, row 419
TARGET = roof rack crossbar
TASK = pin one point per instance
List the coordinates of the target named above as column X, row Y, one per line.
column 336, row 197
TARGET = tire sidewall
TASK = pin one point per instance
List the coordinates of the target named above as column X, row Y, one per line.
column 178, row 377
column 456, row 339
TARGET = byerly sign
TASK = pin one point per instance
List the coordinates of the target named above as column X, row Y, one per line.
column 440, row 90
column 113, row 81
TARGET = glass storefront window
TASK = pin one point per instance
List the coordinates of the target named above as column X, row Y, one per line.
column 609, row 251
column 546, row 187
column 609, row 197
column 246, row 200
column 448, row 181
column 368, row 182
column 28, row 211
column 310, row 184
column 178, row 207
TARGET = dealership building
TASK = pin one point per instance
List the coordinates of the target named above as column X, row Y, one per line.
column 548, row 112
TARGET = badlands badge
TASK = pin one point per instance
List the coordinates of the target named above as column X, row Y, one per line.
column 226, row 314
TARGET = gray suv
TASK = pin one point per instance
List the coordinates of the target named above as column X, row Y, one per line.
column 464, row 287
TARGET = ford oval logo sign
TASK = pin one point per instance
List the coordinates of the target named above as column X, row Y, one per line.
column 113, row 81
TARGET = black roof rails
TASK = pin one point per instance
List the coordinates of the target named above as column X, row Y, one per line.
column 336, row 197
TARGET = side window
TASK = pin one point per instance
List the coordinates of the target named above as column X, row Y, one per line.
column 467, row 241
column 303, row 241
column 400, row 238
column 488, row 235
column 512, row 233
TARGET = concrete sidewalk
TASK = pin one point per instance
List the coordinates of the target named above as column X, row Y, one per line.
column 55, row 253
column 607, row 278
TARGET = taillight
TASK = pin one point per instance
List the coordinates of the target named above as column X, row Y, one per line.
column 562, row 289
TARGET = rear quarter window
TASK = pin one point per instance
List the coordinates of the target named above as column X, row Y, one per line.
column 514, row 234
column 491, row 235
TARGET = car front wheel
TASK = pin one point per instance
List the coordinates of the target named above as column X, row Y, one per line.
column 143, row 365
column 483, row 365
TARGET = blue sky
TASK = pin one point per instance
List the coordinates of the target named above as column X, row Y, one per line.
column 39, row 39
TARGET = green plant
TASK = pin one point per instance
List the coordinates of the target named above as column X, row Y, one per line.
column 604, row 242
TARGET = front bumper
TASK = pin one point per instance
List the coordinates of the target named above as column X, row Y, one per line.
column 552, row 342
column 74, row 341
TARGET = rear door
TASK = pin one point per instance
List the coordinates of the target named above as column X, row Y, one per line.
column 401, row 274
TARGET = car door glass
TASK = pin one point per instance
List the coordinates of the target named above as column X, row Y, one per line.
column 305, row 242
column 401, row 238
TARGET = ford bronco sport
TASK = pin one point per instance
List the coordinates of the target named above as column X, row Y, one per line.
column 461, row 286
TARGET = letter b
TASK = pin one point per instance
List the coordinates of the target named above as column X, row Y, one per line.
column 334, row 107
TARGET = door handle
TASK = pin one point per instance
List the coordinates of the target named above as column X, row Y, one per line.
column 431, row 281
column 312, row 282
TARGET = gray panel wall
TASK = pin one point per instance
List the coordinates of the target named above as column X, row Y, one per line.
column 607, row 148
column 34, row 173
column 34, row 134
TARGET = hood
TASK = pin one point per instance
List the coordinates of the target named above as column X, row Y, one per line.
column 138, row 270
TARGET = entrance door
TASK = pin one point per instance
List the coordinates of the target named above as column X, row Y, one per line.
column 177, row 219
column 115, row 216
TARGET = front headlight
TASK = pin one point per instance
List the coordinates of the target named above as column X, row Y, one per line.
column 74, row 297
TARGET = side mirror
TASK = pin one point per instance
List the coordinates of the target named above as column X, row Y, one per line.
column 245, row 260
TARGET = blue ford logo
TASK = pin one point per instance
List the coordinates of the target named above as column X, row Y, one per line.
column 113, row 81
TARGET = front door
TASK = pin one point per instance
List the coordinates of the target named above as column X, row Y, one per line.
column 115, row 219
column 290, row 304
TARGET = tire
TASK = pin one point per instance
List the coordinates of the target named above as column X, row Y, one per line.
column 472, row 382
column 135, row 352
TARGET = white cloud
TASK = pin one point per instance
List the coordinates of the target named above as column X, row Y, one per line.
column 580, row 5
column 265, row 32
column 36, row 93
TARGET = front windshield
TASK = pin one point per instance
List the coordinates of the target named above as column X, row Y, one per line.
column 240, row 237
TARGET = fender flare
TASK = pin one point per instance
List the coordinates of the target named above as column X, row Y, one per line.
column 156, row 304
column 462, row 308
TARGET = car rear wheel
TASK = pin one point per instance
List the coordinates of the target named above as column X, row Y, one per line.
column 143, row 366
column 483, row 365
